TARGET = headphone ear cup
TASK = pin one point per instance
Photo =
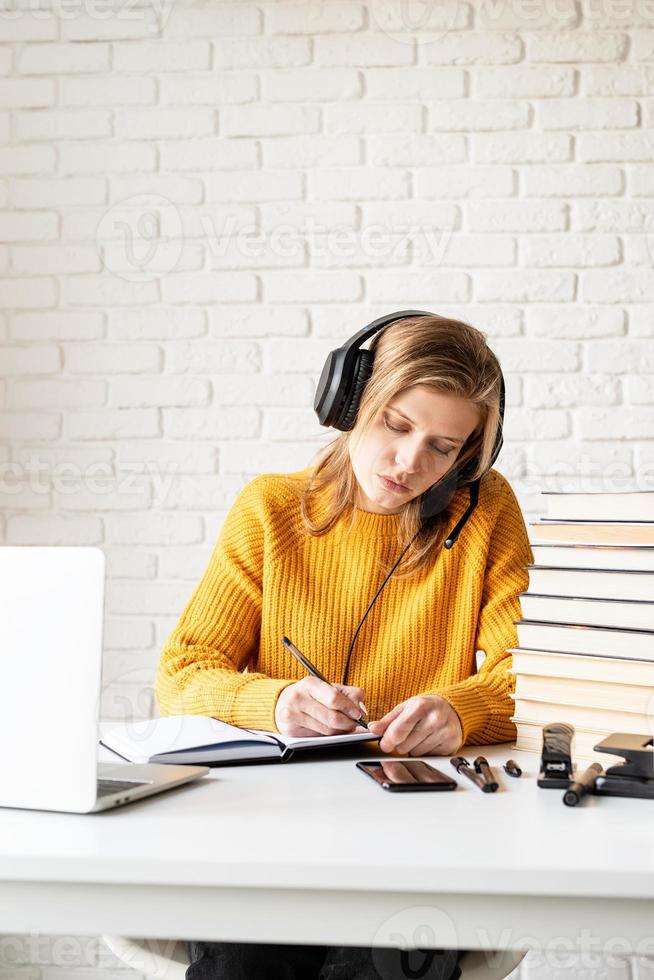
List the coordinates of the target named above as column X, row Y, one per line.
column 437, row 498
column 361, row 376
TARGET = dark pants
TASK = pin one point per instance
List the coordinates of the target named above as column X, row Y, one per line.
column 273, row 961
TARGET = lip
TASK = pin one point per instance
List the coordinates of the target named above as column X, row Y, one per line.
column 391, row 485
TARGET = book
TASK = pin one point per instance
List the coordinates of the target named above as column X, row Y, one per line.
column 598, row 641
column 582, row 716
column 629, row 614
column 595, row 583
column 592, row 532
column 600, row 505
column 581, row 666
column 530, row 738
column 591, row 694
column 619, row 557
column 202, row 739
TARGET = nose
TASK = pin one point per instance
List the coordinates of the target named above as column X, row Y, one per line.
column 408, row 456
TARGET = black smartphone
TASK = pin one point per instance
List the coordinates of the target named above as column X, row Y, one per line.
column 407, row 775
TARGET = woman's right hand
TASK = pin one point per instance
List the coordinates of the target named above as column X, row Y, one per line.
column 314, row 707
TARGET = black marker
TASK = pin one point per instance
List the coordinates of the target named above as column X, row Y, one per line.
column 482, row 767
column 463, row 766
column 582, row 784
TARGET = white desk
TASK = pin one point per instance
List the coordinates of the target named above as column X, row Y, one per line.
column 315, row 852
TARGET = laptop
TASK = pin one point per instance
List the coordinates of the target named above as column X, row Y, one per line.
column 51, row 632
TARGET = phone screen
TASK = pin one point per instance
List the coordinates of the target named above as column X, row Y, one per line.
column 404, row 775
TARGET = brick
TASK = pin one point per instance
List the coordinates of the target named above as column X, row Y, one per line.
column 110, row 358
column 157, row 324
column 62, row 59
column 62, row 124
column 362, row 51
column 53, row 529
column 155, row 528
column 27, row 293
column 161, row 55
column 109, row 91
column 373, row 118
column 605, row 216
column 469, row 181
column 269, row 120
column 26, row 28
column 25, row 226
column 517, row 215
column 576, row 322
column 619, row 357
column 623, row 147
column 127, row 634
column 213, row 153
column 275, row 458
column 572, row 180
column 587, row 114
column 617, row 285
column 136, row 23
column 411, row 286
column 310, row 151
column 313, row 287
column 50, row 394
column 570, row 250
column 255, row 321
column 253, row 185
column 201, row 288
column 113, row 423
column 27, row 159
column 537, row 424
column 311, row 84
column 414, row 83
column 524, row 285
column 568, row 392
column 165, row 123
column 415, row 150
column 478, row 48
column 99, row 157
column 518, row 147
column 184, row 563
column 261, row 389
column 214, row 21
column 357, row 183
column 265, row 52
column 35, row 192
column 145, row 598
column 640, row 180
column 208, row 88
column 458, row 249
column 54, row 260
column 641, row 323
column 19, row 93
column 639, row 391
column 313, row 18
column 106, row 289
column 30, row 360
column 227, row 423
column 200, row 357
column 171, row 457
column 26, row 426
column 522, row 82
column 617, row 79
column 466, row 114
column 57, row 326
column 616, row 422
column 575, row 459
column 642, row 46
column 525, row 15
column 576, row 47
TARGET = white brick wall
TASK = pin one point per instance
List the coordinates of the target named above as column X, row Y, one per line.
column 197, row 201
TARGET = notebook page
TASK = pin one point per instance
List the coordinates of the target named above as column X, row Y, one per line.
column 176, row 733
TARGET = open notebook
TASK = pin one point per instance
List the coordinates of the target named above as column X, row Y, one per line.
column 202, row 739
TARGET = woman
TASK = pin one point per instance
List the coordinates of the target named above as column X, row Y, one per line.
column 302, row 554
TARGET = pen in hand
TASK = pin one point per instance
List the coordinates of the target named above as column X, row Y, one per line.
column 306, row 663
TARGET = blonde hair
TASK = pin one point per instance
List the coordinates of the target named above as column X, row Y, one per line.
column 445, row 355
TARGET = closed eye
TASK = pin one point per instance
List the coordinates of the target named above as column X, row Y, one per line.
column 441, row 452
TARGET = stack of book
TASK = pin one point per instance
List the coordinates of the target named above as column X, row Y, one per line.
column 586, row 636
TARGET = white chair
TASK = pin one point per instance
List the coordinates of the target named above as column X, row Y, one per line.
column 161, row 959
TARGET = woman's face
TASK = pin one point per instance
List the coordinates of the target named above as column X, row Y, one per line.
column 414, row 440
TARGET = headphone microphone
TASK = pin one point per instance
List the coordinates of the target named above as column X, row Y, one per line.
column 343, row 380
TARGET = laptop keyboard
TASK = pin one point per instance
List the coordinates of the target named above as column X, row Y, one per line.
column 106, row 786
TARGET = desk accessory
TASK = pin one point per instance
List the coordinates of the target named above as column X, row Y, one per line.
column 633, row 777
column 557, row 768
column 482, row 767
column 462, row 766
column 580, row 785
column 512, row 768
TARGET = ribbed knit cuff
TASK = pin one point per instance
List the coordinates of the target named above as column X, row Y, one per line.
column 256, row 701
column 472, row 709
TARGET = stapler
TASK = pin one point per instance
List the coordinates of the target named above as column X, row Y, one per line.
column 556, row 768
column 634, row 776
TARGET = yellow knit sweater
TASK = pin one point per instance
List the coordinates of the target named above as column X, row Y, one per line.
column 267, row 577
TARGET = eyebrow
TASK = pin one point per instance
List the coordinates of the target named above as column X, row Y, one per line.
column 459, row 442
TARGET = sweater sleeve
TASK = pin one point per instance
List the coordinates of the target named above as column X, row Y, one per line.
column 201, row 667
column 482, row 700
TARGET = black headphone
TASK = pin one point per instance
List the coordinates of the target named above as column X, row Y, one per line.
column 342, row 382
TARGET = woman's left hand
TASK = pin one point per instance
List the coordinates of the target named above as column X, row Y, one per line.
column 422, row 725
